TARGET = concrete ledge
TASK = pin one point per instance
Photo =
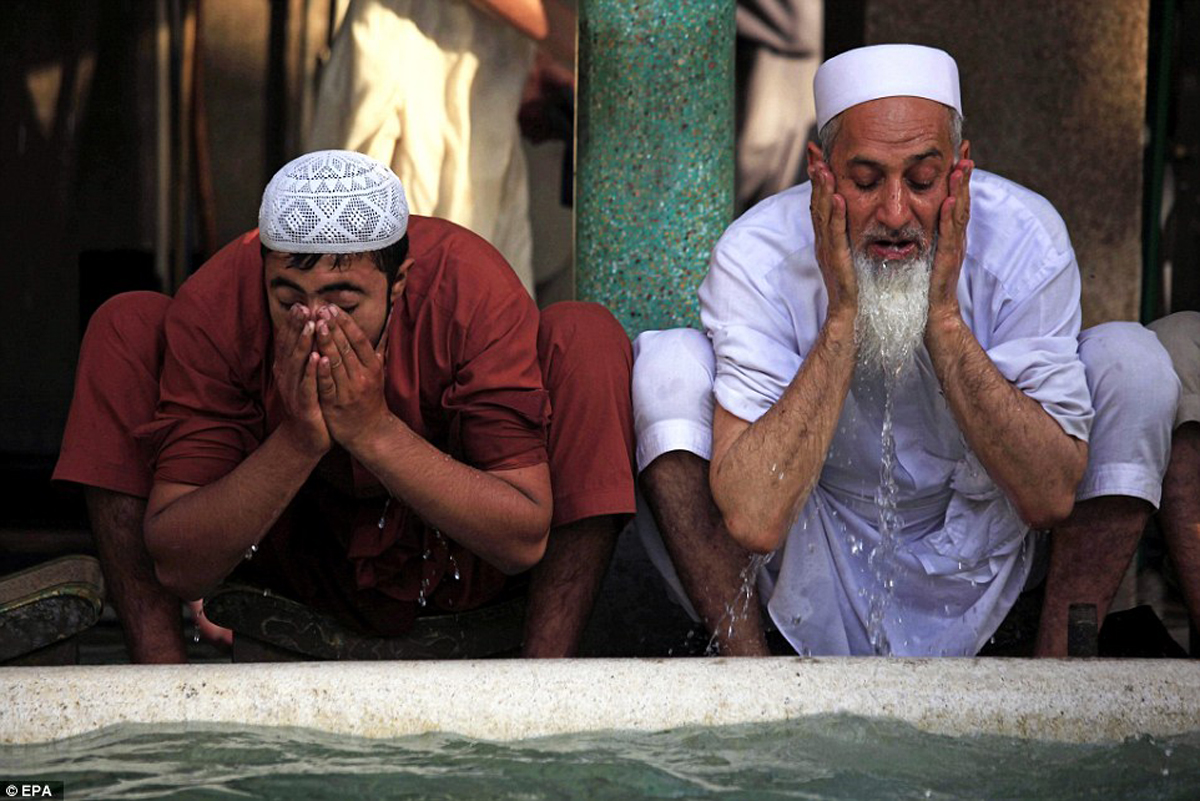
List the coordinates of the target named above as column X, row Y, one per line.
column 1067, row 700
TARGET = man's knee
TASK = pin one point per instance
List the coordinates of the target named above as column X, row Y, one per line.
column 130, row 312
column 1128, row 372
column 672, row 393
column 116, row 390
column 1134, row 392
column 583, row 341
column 130, row 323
column 1179, row 334
column 672, row 375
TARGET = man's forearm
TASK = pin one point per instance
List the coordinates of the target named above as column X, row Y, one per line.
column 1023, row 449
column 765, row 475
column 504, row 523
column 197, row 537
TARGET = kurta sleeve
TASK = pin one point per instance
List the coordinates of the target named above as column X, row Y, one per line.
column 758, row 341
column 1029, row 320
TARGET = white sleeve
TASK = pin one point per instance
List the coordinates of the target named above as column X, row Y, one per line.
column 1034, row 344
column 762, row 322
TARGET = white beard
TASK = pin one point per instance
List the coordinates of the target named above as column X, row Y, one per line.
column 893, row 306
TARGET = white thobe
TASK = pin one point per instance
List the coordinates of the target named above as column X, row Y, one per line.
column 963, row 554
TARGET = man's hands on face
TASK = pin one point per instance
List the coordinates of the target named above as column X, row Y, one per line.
column 953, row 217
column 832, row 241
column 349, row 378
column 296, row 376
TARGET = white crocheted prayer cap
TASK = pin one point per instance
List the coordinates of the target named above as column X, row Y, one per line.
column 889, row 70
column 332, row 201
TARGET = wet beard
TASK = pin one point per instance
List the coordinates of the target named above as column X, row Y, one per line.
column 893, row 305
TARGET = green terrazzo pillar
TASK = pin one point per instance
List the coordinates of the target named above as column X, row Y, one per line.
column 654, row 154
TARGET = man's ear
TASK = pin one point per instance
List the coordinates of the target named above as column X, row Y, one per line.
column 401, row 280
column 815, row 156
column 964, row 150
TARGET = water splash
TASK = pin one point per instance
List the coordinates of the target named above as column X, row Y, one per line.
column 882, row 559
column 738, row 609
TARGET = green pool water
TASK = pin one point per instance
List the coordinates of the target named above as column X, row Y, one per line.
column 815, row 758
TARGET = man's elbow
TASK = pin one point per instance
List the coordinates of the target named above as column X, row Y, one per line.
column 172, row 574
column 176, row 582
column 526, row 548
column 1048, row 512
column 522, row 557
column 1056, row 502
column 751, row 536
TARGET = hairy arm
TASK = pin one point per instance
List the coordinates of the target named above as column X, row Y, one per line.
column 762, row 472
column 1023, row 449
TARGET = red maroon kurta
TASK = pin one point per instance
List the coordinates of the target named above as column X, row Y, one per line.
column 464, row 369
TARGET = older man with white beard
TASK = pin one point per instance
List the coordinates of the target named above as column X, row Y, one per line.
column 894, row 399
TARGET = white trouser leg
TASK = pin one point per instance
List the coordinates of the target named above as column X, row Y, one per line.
column 672, row 411
column 672, row 394
column 1135, row 392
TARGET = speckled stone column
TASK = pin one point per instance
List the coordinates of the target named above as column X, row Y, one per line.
column 654, row 154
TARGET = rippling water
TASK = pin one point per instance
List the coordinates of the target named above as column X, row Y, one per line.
column 816, row 758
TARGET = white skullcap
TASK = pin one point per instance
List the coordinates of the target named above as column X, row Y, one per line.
column 889, row 70
column 332, row 201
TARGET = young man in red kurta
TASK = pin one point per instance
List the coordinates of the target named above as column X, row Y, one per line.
column 367, row 403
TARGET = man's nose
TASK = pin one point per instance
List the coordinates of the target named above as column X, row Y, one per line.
column 894, row 212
